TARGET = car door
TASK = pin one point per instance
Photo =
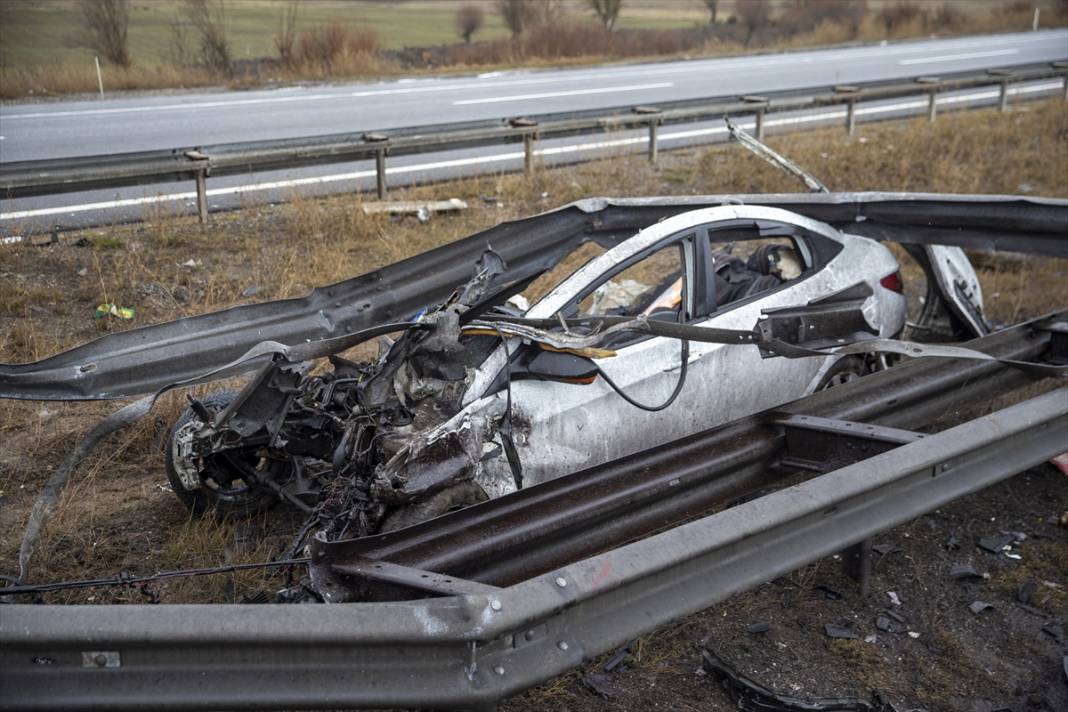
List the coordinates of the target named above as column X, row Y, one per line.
column 563, row 427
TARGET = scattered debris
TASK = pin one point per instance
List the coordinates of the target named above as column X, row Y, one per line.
column 109, row 309
column 1013, row 556
column 251, row 290
column 963, row 571
column 829, row 593
column 913, row 634
column 601, row 685
column 952, row 543
column 978, row 607
column 888, row 625
column 618, row 657
column 884, row 549
column 834, row 630
column 750, row 695
column 191, row 263
column 996, row 544
column 1055, row 630
column 894, row 598
column 83, row 271
column 760, row 627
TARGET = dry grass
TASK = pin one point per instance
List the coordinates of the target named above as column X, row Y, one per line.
column 116, row 514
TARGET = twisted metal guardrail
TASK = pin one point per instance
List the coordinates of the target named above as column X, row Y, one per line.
column 469, row 649
column 53, row 176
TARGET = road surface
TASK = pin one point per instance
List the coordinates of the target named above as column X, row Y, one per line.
column 113, row 125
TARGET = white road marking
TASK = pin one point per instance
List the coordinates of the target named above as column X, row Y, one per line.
column 958, row 57
column 702, row 66
column 516, row 155
column 549, row 95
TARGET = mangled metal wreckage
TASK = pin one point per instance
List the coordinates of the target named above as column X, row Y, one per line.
column 701, row 311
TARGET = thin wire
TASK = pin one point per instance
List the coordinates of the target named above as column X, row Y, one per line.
column 125, row 579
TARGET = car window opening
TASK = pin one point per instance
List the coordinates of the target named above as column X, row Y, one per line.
column 748, row 268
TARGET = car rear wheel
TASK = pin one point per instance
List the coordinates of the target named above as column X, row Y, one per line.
column 843, row 371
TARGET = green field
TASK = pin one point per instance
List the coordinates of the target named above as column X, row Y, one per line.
column 35, row 32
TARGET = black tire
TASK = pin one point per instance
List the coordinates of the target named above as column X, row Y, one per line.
column 219, row 493
column 843, row 371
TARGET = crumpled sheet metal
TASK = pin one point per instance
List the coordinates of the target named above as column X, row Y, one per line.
column 143, row 360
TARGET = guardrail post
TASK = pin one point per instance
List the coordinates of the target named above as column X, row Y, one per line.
column 1003, row 96
column 529, row 135
column 761, row 103
column 202, row 196
column 380, row 161
column 1063, row 66
column 850, row 93
column 201, row 167
column 654, row 125
column 932, row 101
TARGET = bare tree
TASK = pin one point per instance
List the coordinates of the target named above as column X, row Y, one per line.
column 519, row 15
column 208, row 18
column 607, row 11
column 286, row 39
column 753, row 14
column 104, row 24
column 468, row 21
column 513, row 14
column 713, row 10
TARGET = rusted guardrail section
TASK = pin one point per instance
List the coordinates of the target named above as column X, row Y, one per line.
column 32, row 178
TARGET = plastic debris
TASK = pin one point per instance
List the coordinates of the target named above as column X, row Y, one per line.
column 251, row 291
column 978, row 607
column 601, row 685
column 834, row 630
column 893, row 598
column 996, row 544
column 962, row 571
column 750, row 695
column 1055, row 631
column 888, row 625
column 760, row 627
column 913, row 634
column 114, row 310
column 829, row 593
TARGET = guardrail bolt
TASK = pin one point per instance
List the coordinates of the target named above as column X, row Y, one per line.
column 932, row 101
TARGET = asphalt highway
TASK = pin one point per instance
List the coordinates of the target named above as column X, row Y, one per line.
column 60, row 129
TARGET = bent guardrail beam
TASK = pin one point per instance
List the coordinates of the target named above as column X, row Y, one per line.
column 145, row 359
column 473, row 650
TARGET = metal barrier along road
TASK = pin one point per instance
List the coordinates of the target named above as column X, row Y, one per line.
column 64, row 175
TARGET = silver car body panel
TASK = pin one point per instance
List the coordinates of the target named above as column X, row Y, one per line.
column 561, row 427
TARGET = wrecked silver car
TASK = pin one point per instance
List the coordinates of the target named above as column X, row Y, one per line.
column 648, row 342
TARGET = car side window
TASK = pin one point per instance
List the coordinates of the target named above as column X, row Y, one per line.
column 747, row 268
column 653, row 287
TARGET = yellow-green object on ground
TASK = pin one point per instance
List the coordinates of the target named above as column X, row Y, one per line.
column 114, row 310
